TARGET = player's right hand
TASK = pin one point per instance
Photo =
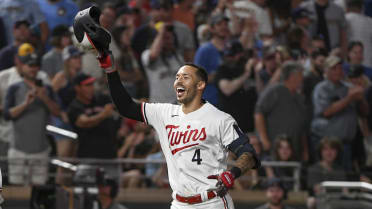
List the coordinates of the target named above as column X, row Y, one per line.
column 106, row 61
column 224, row 182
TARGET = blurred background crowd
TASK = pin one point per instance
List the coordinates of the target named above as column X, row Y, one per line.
column 295, row 74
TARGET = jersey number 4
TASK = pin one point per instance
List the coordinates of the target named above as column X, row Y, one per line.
column 196, row 157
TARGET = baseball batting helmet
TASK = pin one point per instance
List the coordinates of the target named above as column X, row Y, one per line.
column 89, row 32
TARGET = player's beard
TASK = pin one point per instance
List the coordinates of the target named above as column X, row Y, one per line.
column 189, row 95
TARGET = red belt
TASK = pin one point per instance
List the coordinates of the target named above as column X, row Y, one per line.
column 195, row 199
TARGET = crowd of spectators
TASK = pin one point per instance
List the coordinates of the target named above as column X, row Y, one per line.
column 295, row 74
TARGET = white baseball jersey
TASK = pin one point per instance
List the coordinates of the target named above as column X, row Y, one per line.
column 194, row 144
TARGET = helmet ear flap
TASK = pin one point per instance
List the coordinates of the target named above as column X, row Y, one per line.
column 86, row 25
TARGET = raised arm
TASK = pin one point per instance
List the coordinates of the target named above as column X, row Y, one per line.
column 119, row 95
column 91, row 35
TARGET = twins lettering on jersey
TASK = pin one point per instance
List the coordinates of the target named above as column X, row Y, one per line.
column 184, row 139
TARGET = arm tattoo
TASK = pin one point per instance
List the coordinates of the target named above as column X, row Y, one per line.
column 245, row 161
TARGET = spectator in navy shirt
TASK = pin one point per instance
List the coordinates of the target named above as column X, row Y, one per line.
column 21, row 34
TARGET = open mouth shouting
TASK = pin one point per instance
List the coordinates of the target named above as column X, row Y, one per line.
column 180, row 91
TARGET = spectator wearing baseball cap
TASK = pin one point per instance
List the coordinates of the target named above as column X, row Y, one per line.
column 91, row 116
column 268, row 69
column 231, row 76
column 63, row 86
column 29, row 104
column 331, row 119
column 62, row 82
column 12, row 11
column 217, row 18
column 8, row 75
column 11, row 76
column 107, row 192
column 301, row 17
column 21, row 34
column 52, row 61
column 209, row 55
column 26, row 55
column 276, row 193
column 71, row 52
column 83, row 79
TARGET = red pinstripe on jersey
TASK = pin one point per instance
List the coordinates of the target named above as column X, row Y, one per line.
column 225, row 203
column 143, row 112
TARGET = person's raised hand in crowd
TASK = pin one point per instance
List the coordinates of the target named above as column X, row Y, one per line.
column 250, row 64
column 248, row 32
column 258, row 67
column 356, row 93
column 251, row 24
column 108, row 110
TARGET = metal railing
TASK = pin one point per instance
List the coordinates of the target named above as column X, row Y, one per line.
column 71, row 164
column 344, row 194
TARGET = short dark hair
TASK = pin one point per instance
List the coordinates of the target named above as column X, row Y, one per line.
column 353, row 44
column 200, row 71
column 57, row 33
column 289, row 68
column 19, row 23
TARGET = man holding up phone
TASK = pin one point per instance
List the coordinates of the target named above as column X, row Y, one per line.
column 28, row 104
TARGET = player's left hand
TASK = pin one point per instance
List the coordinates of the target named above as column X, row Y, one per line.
column 224, row 182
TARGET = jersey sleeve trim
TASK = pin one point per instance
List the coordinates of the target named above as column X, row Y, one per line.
column 143, row 110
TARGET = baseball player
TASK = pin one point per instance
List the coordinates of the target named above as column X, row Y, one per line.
column 195, row 137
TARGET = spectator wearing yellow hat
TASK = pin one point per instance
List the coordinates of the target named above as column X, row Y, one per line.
column 28, row 104
column 7, row 78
